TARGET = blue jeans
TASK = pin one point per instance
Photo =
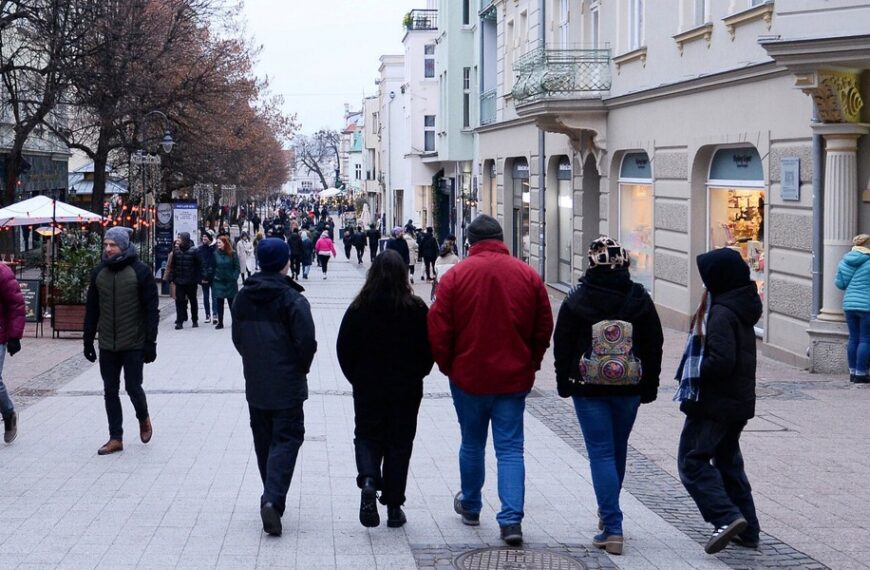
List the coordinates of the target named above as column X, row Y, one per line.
column 606, row 424
column 207, row 298
column 505, row 412
column 6, row 406
column 858, row 349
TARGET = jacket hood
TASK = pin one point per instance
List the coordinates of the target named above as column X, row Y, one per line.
column 265, row 286
column 857, row 257
column 492, row 245
column 743, row 302
column 604, row 294
column 723, row 270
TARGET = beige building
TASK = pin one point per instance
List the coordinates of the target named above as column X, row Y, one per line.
column 679, row 126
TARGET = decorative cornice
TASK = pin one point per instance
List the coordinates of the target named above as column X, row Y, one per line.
column 760, row 12
column 628, row 57
column 836, row 94
column 705, row 31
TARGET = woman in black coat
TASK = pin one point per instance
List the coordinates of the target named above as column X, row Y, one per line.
column 387, row 383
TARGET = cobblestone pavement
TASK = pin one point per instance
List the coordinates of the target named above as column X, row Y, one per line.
column 189, row 499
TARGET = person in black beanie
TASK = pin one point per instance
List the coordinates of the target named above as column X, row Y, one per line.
column 709, row 458
column 274, row 333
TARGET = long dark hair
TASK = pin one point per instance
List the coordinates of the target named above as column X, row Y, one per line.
column 387, row 279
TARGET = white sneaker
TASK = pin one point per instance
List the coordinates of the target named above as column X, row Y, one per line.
column 324, row 276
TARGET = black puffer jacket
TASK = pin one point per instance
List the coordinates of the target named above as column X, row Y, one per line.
column 429, row 247
column 727, row 392
column 274, row 332
column 295, row 243
column 605, row 294
column 186, row 265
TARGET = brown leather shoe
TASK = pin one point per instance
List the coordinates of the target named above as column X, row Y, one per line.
column 145, row 430
column 112, row 446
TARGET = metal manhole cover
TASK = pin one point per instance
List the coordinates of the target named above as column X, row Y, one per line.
column 516, row 559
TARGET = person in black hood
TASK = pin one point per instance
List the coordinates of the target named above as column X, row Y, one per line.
column 709, row 458
column 606, row 409
column 295, row 243
column 374, row 236
column 274, row 333
column 122, row 306
column 185, row 271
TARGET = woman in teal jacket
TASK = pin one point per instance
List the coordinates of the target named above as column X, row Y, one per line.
column 853, row 276
column 226, row 276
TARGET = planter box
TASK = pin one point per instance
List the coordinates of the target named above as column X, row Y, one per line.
column 67, row 318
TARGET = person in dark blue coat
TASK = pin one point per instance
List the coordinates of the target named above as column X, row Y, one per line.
column 205, row 252
column 274, row 333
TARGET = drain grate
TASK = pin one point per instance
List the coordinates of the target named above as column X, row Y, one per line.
column 516, row 559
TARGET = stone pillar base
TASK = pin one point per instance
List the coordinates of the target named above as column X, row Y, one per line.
column 828, row 347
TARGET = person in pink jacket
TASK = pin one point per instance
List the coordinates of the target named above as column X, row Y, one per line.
column 12, row 316
column 322, row 248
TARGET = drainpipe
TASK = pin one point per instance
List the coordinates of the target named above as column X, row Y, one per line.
column 542, row 176
column 818, row 214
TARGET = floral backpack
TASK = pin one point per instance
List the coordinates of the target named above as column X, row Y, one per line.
column 610, row 360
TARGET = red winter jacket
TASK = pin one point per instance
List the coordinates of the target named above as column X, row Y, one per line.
column 11, row 306
column 491, row 322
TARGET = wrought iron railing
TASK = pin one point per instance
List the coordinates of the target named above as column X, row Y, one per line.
column 487, row 107
column 561, row 73
column 421, row 20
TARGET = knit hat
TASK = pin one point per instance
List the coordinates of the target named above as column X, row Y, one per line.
column 484, row 227
column 209, row 234
column 273, row 254
column 120, row 235
column 397, row 231
column 861, row 240
column 607, row 253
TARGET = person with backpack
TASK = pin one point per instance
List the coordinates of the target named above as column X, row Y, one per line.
column 608, row 356
column 709, row 459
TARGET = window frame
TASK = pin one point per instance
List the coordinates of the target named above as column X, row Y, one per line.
column 429, row 61
column 635, row 24
column 428, row 131
column 466, row 97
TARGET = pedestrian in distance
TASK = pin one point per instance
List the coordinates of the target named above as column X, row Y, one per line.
column 205, row 252
column 447, row 259
column 226, row 276
column 323, row 248
column 608, row 355
column 853, row 276
column 185, row 272
column 429, row 252
column 273, row 332
column 374, row 236
column 709, row 459
column 398, row 244
column 413, row 252
column 247, row 260
column 307, row 253
column 387, row 384
column 295, row 243
column 122, row 310
column 491, row 295
column 359, row 243
column 347, row 240
column 12, row 320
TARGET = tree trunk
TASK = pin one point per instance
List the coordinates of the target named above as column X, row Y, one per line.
column 13, row 162
column 101, row 158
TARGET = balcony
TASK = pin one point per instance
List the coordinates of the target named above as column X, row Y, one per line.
column 416, row 20
column 487, row 107
column 487, row 9
column 546, row 74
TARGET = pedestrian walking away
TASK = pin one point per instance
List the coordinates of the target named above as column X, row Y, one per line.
column 295, row 243
column 185, row 272
column 447, row 259
column 491, row 295
column 387, row 384
column 273, row 331
column 226, row 276
column 359, row 243
column 374, row 236
column 398, row 244
column 247, row 261
column 853, row 276
column 205, row 252
column 413, row 252
column 122, row 309
column 347, row 240
column 12, row 320
column 429, row 252
column 324, row 247
column 709, row 459
column 307, row 253
column 608, row 356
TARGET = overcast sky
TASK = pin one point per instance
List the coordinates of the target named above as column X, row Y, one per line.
column 320, row 54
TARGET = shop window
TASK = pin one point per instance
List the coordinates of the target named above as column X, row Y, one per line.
column 636, row 216
column 566, row 220
column 521, row 244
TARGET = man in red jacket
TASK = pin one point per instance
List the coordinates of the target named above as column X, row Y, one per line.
column 489, row 329
column 12, row 315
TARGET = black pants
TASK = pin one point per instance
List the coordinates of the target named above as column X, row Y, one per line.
column 295, row 265
column 278, row 435
column 360, row 250
column 206, row 299
column 386, row 423
column 347, row 248
column 711, row 468
column 323, row 261
column 430, row 266
column 373, row 250
column 220, row 308
column 183, row 294
column 111, row 365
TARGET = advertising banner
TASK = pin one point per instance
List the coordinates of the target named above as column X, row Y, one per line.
column 163, row 238
column 185, row 219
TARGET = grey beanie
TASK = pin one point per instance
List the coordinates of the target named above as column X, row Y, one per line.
column 484, row 227
column 120, row 235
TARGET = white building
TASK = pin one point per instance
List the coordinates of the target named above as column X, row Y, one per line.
column 394, row 174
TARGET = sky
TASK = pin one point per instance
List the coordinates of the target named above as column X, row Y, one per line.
column 321, row 54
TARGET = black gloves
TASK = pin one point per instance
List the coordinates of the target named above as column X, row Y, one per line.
column 150, row 353
column 90, row 351
column 13, row 345
column 649, row 396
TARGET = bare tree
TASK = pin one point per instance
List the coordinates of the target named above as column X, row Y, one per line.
column 314, row 151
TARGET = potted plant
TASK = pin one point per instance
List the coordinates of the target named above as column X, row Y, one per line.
column 78, row 253
column 407, row 21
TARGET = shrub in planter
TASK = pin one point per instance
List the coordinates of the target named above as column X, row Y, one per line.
column 78, row 253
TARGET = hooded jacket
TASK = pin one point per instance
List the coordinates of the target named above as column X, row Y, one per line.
column 605, row 294
column 13, row 313
column 186, row 265
column 727, row 389
column 273, row 331
column 400, row 246
column 853, row 276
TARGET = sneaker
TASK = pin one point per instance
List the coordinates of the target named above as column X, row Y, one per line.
column 208, row 318
column 512, row 534
column 368, row 504
column 324, row 276
column 468, row 518
column 214, row 321
column 743, row 542
column 219, row 326
column 178, row 326
column 723, row 535
column 271, row 520
column 10, row 427
column 862, row 379
column 396, row 517
column 610, row 543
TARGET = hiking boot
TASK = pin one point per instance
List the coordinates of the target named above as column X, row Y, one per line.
column 368, row 504
column 468, row 518
column 512, row 534
column 396, row 517
column 271, row 520
column 111, row 446
column 745, row 542
column 610, row 543
column 10, row 427
column 145, row 430
column 723, row 535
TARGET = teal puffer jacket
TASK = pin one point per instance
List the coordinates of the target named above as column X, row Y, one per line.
column 853, row 276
